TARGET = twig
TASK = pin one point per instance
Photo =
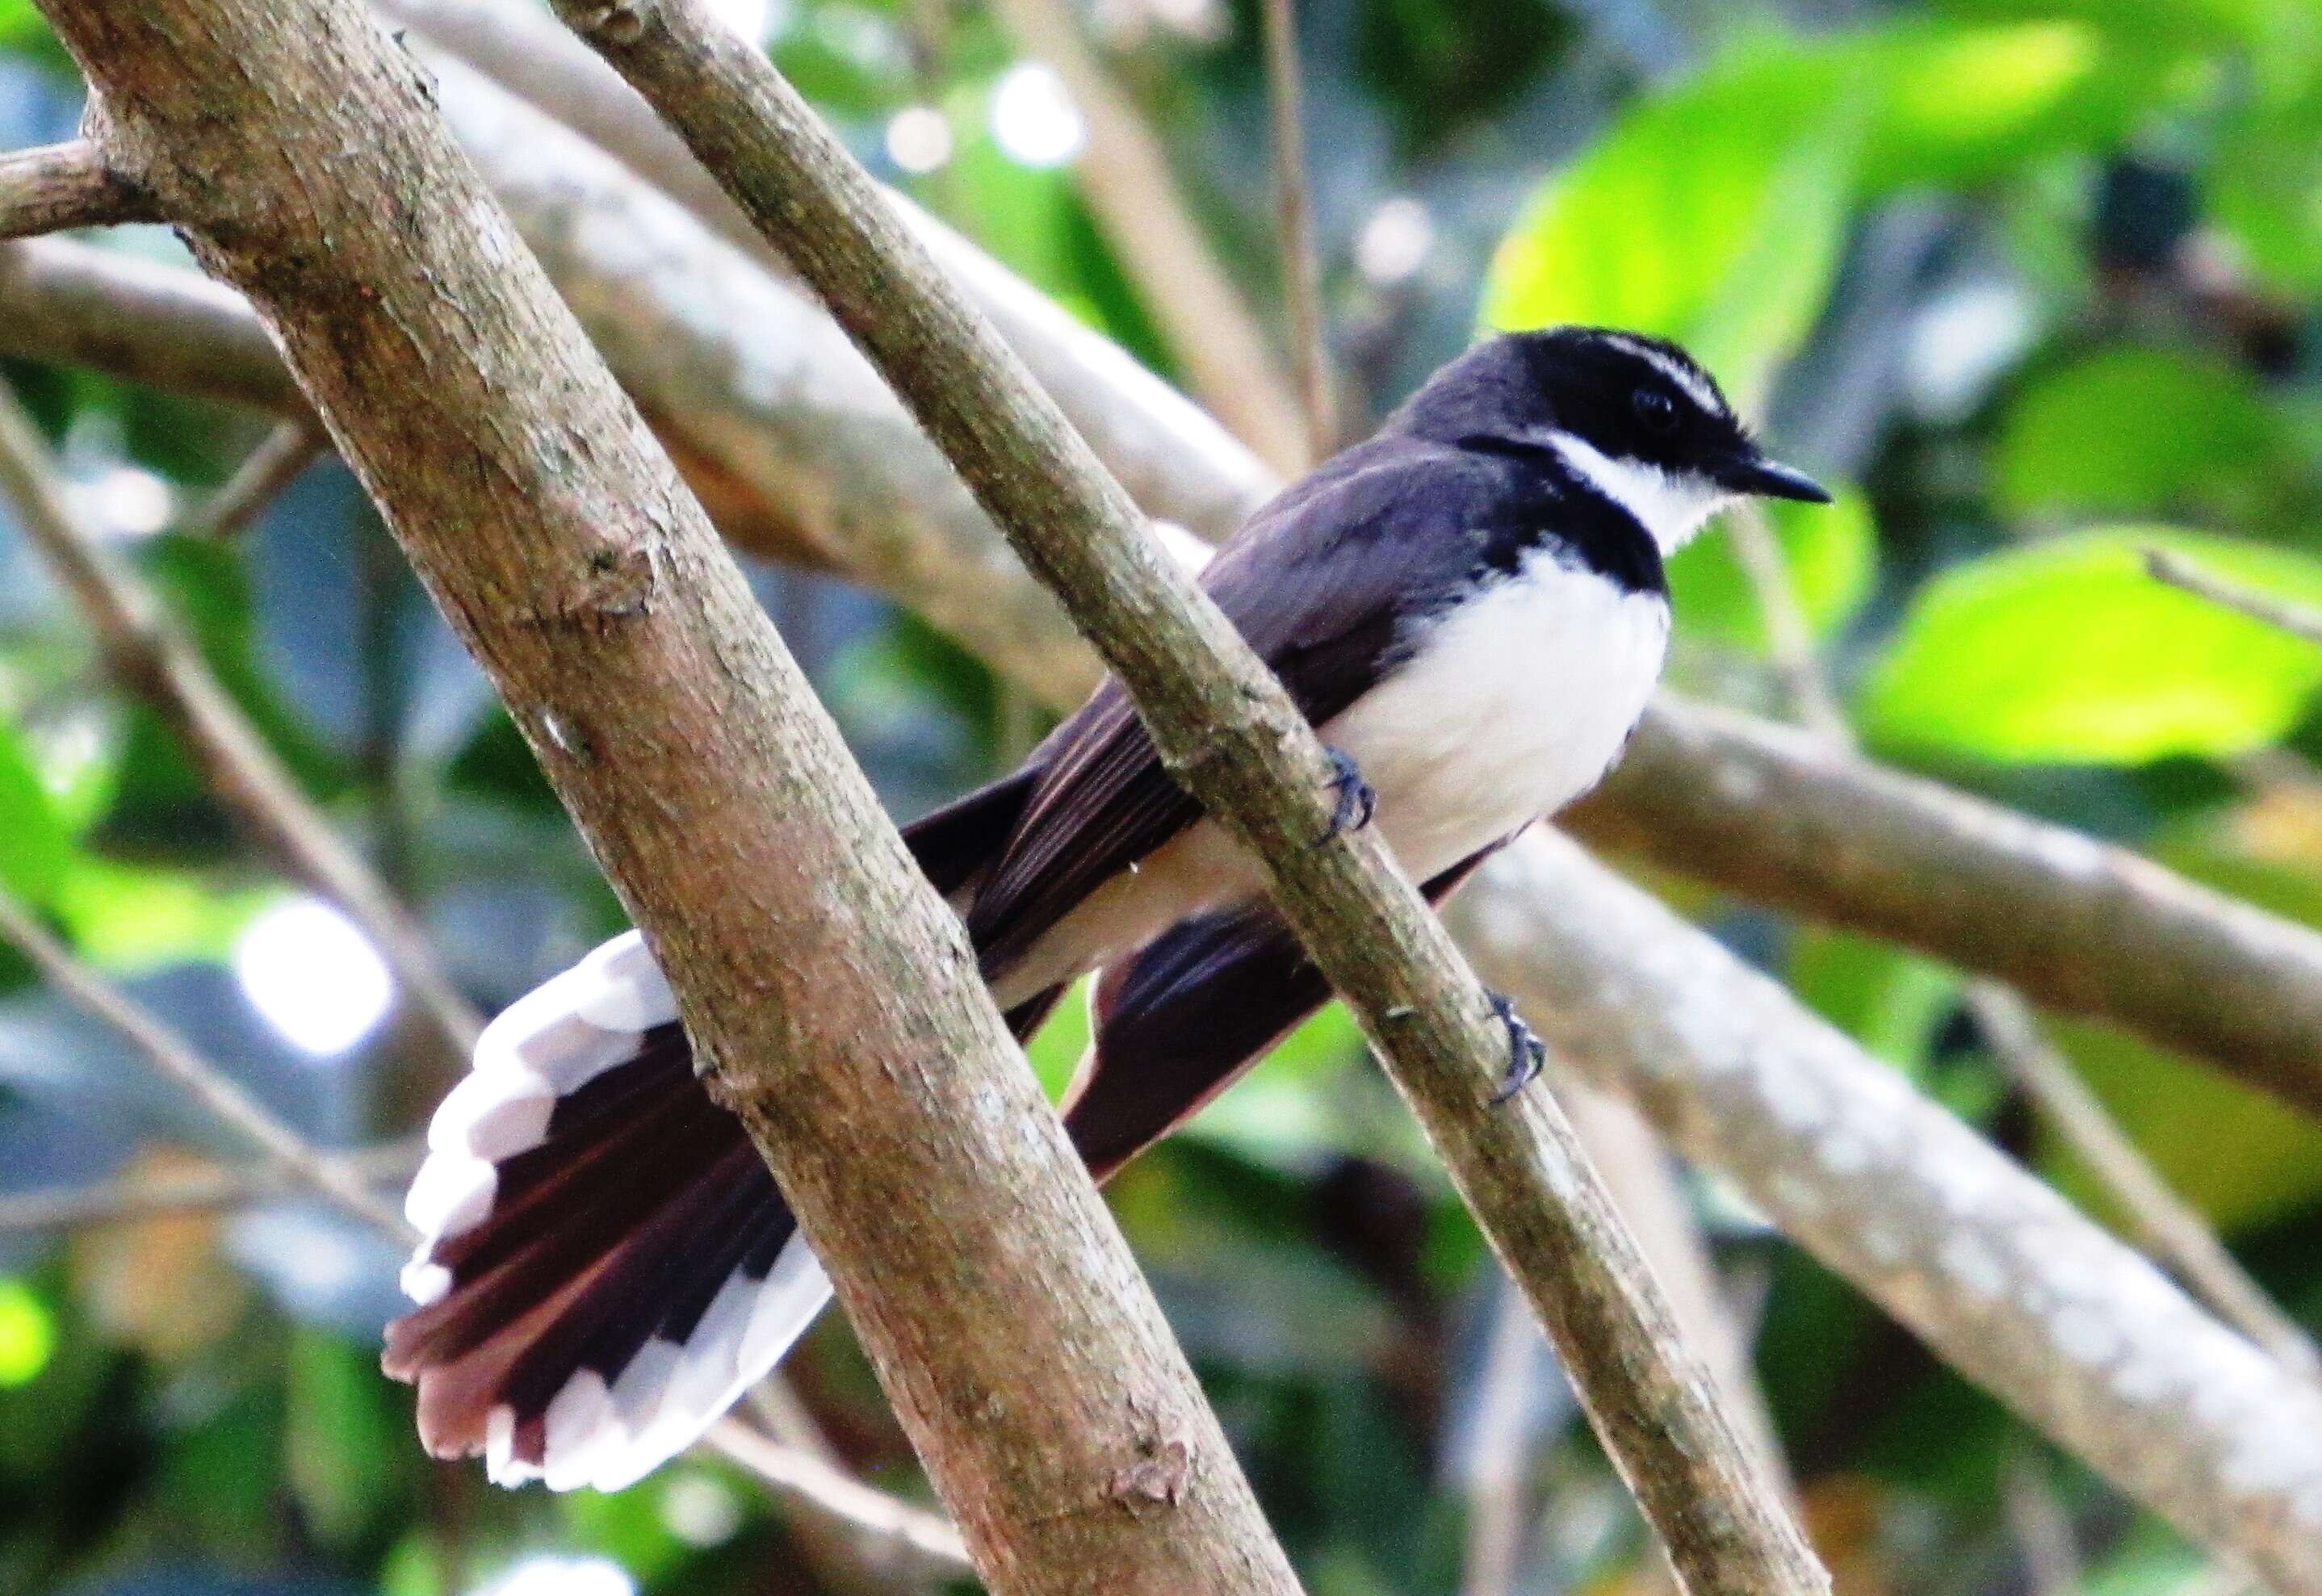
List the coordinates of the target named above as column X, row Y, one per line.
column 925, row 1539
column 2168, row 1226
column 152, row 659
column 1293, row 220
column 264, row 472
column 2042, row 1528
column 2170, row 1229
column 174, row 1057
column 1126, row 177
column 67, row 185
column 1231, row 736
column 139, row 1197
column 2281, row 614
column 1496, row 1472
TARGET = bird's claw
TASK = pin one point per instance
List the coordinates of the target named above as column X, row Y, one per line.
column 1527, row 1054
column 1357, row 801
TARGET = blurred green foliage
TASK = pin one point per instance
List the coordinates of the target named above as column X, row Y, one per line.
column 2034, row 283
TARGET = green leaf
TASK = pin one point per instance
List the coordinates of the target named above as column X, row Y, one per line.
column 1891, row 1001
column 35, row 848
column 1832, row 554
column 1712, row 215
column 28, row 1333
column 2069, row 652
column 344, row 1449
column 2143, row 432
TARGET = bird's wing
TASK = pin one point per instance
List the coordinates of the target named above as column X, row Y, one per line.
column 1318, row 583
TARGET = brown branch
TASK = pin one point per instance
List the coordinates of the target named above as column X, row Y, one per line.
column 925, row 1541
column 174, row 1057
column 828, row 988
column 152, row 659
column 141, row 1196
column 259, row 481
column 1996, row 1272
column 1125, row 175
column 1229, row 734
column 2297, row 619
column 1293, row 226
column 67, row 185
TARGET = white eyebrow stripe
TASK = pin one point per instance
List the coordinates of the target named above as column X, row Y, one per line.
column 1701, row 393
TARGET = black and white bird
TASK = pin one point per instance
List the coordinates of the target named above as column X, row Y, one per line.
column 1469, row 607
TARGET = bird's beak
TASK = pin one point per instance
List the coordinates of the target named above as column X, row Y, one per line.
column 1756, row 475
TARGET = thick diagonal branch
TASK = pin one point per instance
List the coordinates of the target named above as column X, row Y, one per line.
column 828, row 988
column 1229, row 734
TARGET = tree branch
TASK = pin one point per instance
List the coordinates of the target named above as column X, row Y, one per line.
column 259, row 481
column 1294, row 231
column 1995, row 1272
column 160, row 665
column 923, row 1539
column 141, row 1196
column 1231, row 736
column 1125, row 175
column 67, row 185
column 828, row 990
column 174, row 1057
column 2297, row 619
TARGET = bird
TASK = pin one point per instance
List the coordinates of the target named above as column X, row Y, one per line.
column 1470, row 607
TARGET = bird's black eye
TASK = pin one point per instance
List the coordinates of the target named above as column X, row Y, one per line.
column 1656, row 410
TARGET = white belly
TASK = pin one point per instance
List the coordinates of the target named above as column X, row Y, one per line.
column 1511, row 707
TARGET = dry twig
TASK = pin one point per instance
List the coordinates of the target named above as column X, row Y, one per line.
column 1294, row 228
column 259, row 481
column 67, row 185
column 2280, row 614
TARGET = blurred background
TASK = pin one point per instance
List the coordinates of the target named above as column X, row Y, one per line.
column 2035, row 283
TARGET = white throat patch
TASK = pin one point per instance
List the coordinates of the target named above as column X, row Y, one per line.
column 1670, row 508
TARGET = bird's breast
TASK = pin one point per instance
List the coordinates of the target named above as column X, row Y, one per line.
column 1508, row 704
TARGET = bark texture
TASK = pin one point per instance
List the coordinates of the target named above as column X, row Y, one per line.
column 299, row 148
column 1228, row 732
column 2074, row 1329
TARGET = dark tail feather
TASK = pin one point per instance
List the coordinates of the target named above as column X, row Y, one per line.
column 1179, row 1021
column 606, row 1264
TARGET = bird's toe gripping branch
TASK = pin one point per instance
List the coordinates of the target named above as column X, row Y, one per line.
column 1527, row 1054
column 1357, row 801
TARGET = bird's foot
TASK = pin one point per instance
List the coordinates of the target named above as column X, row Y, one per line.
column 1357, row 801
column 1527, row 1054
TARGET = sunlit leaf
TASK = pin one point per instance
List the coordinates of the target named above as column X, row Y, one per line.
column 2143, row 432
column 35, row 850
column 2069, row 652
column 1832, row 551
column 28, row 1334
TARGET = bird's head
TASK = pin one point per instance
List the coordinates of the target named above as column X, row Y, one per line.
column 1635, row 417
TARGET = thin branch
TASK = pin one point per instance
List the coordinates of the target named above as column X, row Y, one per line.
column 2042, row 1528
column 152, row 659
column 1231, row 736
column 141, row 1196
column 1054, row 1411
column 923, row 1540
column 2170, row 1229
column 1496, row 1471
column 67, row 185
column 1125, row 175
column 2283, row 616
column 175, row 1058
column 259, row 481
column 1294, row 221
